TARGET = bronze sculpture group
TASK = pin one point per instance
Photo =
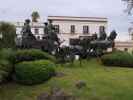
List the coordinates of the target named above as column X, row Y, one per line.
column 83, row 46
column 49, row 40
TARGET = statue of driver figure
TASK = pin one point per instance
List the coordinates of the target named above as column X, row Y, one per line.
column 51, row 36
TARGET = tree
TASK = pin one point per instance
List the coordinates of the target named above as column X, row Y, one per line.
column 129, row 6
column 129, row 10
column 8, row 35
column 35, row 15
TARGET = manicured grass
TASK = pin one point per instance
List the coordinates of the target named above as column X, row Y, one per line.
column 103, row 83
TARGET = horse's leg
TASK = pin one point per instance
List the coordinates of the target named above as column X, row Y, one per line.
column 80, row 61
column 80, row 64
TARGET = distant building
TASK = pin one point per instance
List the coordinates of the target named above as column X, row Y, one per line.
column 36, row 28
column 124, row 45
column 131, row 31
column 68, row 27
column 73, row 27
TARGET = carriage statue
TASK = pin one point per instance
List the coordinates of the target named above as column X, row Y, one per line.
column 83, row 46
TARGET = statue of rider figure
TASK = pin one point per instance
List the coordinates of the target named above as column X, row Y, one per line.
column 45, row 36
column 26, row 30
column 27, row 35
column 46, row 28
column 50, row 27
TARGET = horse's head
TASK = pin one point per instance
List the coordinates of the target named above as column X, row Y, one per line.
column 112, row 36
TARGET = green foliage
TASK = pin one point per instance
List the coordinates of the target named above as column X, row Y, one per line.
column 32, row 54
column 5, row 70
column 118, row 58
column 6, row 64
column 103, row 83
column 8, row 32
column 34, row 72
column 7, row 54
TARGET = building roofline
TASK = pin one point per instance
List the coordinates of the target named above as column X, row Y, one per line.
column 78, row 17
column 81, row 19
column 77, row 20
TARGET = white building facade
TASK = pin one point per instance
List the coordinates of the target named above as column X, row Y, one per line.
column 68, row 27
column 124, row 45
column 73, row 27
column 36, row 28
column 128, row 44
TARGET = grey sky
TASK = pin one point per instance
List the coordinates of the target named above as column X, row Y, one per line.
column 17, row 10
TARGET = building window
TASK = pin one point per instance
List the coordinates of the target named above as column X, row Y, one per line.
column 57, row 28
column 101, row 29
column 85, row 29
column 72, row 28
column 36, row 31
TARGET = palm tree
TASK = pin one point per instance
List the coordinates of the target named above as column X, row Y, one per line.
column 35, row 15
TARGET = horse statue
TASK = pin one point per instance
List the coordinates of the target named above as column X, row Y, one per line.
column 93, row 45
column 102, row 45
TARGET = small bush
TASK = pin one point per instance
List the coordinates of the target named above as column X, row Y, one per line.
column 6, row 69
column 122, row 59
column 31, row 55
column 34, row 72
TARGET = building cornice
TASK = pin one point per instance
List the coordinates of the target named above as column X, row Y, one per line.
column 79, row 19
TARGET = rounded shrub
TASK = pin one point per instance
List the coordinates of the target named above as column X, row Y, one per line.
column 31, row 55
column 118, row 58
column 34, row 72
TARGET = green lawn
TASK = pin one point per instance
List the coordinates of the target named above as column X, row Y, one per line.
column 103, row 83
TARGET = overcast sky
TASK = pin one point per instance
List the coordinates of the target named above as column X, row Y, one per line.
column 18, row 10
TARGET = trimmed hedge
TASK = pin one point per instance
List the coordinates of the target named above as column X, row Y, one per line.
column 118, row 58
column 31, row 55
column 34, row 72
column 6, row 69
